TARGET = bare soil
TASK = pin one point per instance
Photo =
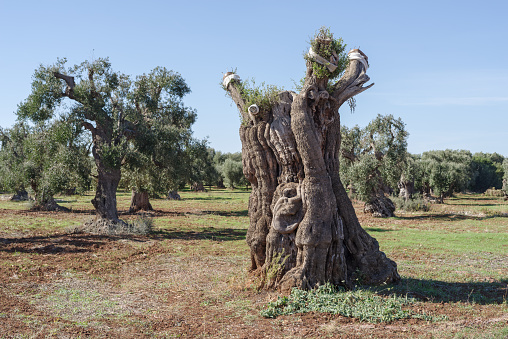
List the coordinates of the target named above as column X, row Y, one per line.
column 179, row 283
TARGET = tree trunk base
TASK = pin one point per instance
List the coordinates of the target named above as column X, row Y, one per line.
column 140, row 201
column 20, row 196
column 173, row 195
column 381, row 207
column 198, row 187
column 50, row 206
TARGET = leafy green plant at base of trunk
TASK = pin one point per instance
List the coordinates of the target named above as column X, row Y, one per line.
column 360, row 304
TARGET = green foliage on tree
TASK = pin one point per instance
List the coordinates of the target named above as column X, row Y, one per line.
column 373, row 158
column 47, row 158
column 130, row 121
column 229, row 166
column 233, row 173
column 413, row 170
column 202, row 167
column 12, row 157
column 448, row 171
column 487, row 171
column 159, row 160
column 505, row 176
column 329, row 48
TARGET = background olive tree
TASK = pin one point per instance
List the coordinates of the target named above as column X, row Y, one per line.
column 48, row 159
column 487, row 171
column 123, row 117
column 372, row 162
column 446, row 172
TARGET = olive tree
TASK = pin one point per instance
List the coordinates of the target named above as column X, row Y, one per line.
column 162, row 146
column 12, row 157
column 446, row 172
column 303, row 228
column 373, row 159
column 411, row 178
column 187, row 161
column 114, row 110
column 505, row 176
column 487, row 171
column 232, row 171
column 49, row 159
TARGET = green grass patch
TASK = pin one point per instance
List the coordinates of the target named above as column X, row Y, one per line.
column 437, row 241
column 363, row 305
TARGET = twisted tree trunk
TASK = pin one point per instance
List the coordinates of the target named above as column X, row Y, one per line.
column 108, row 177
column 140, row 201
column 406, row 187
column 303, row 228
column 378, row 204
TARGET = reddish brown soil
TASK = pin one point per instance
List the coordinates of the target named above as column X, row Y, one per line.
column 165, row 285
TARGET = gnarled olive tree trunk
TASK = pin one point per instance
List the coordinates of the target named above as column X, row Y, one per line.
column 303, row 228
column 108, row 177
column 140, row 201
column 406, row 188
column 378, row 204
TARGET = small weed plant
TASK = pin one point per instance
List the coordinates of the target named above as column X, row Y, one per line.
column 360, row 304
column 276, row 264
column 263, row 95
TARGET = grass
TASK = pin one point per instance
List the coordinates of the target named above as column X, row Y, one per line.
column 452, row 260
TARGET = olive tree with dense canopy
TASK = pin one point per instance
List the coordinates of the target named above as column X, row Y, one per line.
column 446, row 172
column 115, row 111
column 373, row 159
column 302, row 224
column 47, row 158
column 163, row 145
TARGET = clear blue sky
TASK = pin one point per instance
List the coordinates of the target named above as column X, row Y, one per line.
column 439, row 65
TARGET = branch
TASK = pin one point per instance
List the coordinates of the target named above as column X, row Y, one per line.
column 353, row 89
column 93, row 90
column 69, row 91
column 233, row 88
column 348, row 155
column 351, row 83
column 89, row 127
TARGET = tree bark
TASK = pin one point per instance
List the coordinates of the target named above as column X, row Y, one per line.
column 49, row 205
column 380, row 206
column 173, row 195
column 140, row 201
column 105, row 195
column 197, row 186
column 406, row 188
column 108, row 177
column 303, row 229
column 21, row 195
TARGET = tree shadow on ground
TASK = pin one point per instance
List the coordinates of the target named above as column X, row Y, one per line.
column 153, row 213
column 60, row 243
column 475, row 197
column 209, row 233
column 483, row 293
column 205, row 198
column 376, row 229
column 474, row 205
column 447, row 217
column 242, row 213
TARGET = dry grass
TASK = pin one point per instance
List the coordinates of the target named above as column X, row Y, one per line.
column 189, row 277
